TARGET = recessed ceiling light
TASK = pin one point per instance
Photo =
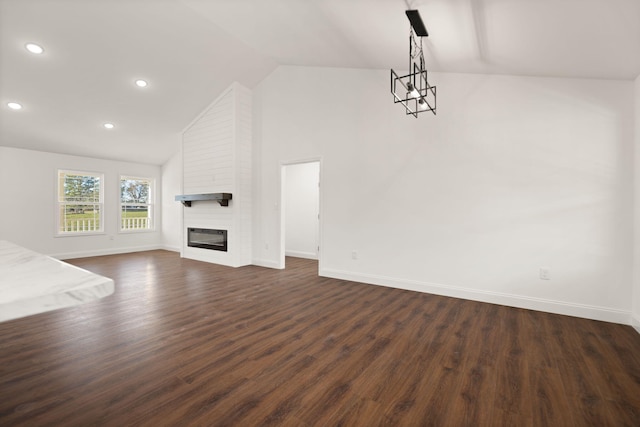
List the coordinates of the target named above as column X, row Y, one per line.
column 34, row 48
column 141, row 83
column 14, row 105
column 108, row 125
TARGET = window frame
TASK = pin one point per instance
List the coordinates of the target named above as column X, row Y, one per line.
column 61, row 203
column 151, row 212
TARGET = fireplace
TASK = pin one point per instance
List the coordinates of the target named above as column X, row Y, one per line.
column 207, row 238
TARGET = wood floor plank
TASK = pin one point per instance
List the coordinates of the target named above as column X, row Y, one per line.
column 475, row 392
column 183, row 342
column 549, row 398
column 577, row 378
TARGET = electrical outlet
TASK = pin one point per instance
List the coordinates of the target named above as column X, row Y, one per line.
column 545, row 274
column 266, row 246
column 354, row 255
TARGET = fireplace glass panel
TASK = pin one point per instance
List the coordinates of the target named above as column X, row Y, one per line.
column 207, row 238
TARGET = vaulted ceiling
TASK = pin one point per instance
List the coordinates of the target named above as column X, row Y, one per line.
column 191, row 50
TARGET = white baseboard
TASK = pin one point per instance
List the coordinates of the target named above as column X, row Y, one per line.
column 299, row 254
column 101, row 252
column 539, row 304
column 170, row 248
column 266, row 263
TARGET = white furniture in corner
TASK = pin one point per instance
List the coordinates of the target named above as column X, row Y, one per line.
column 32, row 283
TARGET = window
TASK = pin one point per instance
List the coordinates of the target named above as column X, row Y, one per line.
column 136, row 207
column 80, row 202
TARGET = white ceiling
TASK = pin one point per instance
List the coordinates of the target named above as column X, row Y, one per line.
column 191, row 50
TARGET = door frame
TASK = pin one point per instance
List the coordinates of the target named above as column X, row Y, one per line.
column 283, row 182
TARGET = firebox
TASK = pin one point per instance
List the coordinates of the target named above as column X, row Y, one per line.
column 207, row 238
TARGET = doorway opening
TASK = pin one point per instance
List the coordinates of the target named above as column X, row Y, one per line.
column 300, row 210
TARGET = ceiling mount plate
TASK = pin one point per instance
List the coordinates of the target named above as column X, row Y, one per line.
column 416, row 23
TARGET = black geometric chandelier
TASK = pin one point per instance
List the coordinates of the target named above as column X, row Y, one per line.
column 413, row 90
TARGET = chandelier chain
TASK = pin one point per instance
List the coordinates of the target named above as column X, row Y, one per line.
column 416, row 48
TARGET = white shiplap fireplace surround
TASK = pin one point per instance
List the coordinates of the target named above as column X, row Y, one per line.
column 216, row 153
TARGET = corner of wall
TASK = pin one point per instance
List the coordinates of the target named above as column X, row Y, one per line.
column 635, row 322
column 172, row 210
column 636, row 214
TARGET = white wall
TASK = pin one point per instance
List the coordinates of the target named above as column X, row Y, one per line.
column 28, row 193
column 513, row 174
column 302, row 209
column 636, row 283
column 172, row 210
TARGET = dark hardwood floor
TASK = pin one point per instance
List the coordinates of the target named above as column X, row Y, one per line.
column 189, row 343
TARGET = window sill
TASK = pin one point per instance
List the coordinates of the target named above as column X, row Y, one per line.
column 146, row 230
column 88, row 233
